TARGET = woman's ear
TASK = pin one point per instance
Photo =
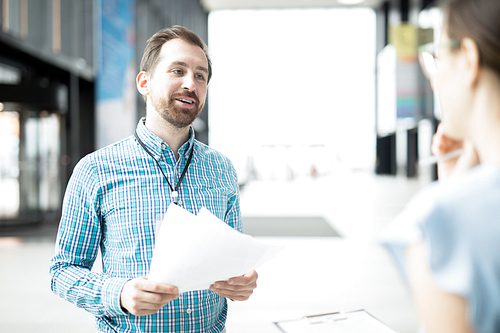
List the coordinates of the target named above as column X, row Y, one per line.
column 472, row 60
column 142, row 82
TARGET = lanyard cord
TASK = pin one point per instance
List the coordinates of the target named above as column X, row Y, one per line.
column 175, row 193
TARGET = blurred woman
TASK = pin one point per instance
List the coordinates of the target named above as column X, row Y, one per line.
column 447, row 240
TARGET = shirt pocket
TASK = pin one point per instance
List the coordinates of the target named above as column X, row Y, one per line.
column 214, row 199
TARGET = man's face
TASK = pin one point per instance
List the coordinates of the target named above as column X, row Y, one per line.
column 178, row 86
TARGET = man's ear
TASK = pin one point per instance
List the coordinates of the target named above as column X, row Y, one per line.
column 142, row 82
column 472, row 60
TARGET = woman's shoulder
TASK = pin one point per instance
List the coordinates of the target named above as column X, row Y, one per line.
column 460, row 213
column 477, row 188
column 470, row 184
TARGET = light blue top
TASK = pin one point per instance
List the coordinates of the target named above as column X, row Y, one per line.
column 111, row 204
column 460, row 221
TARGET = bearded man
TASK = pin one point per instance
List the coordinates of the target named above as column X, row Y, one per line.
column 114, row 195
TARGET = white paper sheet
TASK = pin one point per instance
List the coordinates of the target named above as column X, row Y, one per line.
column 194, row 251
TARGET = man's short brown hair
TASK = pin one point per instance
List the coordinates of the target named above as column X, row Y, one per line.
column 155, row 43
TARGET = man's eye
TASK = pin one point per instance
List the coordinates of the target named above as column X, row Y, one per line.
column 177, row 71
column 200, row 77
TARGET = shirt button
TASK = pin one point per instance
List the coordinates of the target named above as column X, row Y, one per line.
column 189, row 311
column 163, row 146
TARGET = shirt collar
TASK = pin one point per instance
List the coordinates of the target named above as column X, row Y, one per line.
column 156, row 145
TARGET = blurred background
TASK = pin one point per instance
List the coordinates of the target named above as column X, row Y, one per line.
column 320, row 104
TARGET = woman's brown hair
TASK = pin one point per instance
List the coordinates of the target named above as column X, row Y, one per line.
column 480, row 21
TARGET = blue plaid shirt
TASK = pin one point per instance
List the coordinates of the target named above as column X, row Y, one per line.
column 111, row 204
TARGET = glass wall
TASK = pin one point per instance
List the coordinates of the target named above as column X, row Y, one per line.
column 30, row 157
column 293, row 95
column 60, row 31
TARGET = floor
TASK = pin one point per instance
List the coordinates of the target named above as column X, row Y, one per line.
column 315, row 273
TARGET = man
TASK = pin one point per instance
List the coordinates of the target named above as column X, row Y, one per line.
column 115, row 194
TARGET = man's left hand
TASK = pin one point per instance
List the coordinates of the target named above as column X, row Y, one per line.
column 237, row 288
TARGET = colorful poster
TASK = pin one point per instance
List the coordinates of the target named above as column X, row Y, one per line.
column 115, row 84
column 404, row 38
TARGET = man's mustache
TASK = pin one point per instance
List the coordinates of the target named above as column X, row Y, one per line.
column 186, row 94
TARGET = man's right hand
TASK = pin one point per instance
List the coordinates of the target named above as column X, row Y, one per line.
column 142, row 297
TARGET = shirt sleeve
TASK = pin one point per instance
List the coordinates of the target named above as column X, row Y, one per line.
column 430, row 219
column 404, row 231
column 77, row 246
column 434, row 220
column 458, row 220
column 233, row 215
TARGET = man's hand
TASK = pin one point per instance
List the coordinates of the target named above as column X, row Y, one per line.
column 237, row 288
column 142, row 297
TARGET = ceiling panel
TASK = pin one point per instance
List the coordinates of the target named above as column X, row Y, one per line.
column 256, row 4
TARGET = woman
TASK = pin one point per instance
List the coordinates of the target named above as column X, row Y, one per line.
column 447, row 240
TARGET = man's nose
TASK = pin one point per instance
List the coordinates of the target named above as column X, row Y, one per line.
column 188, row 83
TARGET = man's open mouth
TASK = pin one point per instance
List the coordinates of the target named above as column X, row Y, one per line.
column 183, row 100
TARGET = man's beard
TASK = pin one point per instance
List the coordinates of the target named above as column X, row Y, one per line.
column 176, row 115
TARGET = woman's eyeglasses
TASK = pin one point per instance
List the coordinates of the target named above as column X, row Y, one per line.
column 427, row 55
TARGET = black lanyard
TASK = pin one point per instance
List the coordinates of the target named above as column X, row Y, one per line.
column 175, row 192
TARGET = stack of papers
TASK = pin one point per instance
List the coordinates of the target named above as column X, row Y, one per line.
column 194, row 251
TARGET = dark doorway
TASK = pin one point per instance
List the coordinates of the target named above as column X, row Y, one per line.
column 30, row 164
column 32, row 144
